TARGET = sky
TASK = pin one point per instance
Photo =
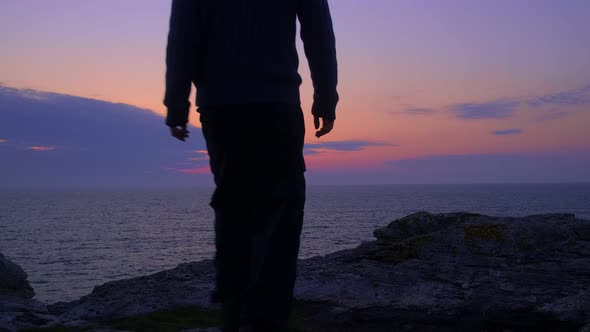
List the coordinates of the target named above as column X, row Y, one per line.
column 455, row 91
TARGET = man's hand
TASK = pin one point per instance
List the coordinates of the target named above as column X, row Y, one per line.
column 327, row 126
column 179, row 132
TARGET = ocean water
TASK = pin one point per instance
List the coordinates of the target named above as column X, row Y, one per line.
column 70, row 241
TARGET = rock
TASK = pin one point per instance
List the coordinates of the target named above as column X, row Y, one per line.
column 188, row 284
column 17, row 308
column 103, row 329
column 456, row 271
column 13, row 280
column 424, row 272
column 17, row 314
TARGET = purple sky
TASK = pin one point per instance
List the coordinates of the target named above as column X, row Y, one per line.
column 426, row 85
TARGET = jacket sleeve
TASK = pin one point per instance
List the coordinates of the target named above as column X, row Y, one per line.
column 180, row 61
column 319, row 42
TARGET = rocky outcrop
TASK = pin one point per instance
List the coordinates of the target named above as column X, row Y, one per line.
column 13, row 280
column 424, row 272
column 17, row 308
column 188, row 284
column 456, row 271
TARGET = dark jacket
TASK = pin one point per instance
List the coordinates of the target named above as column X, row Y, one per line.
column 240, row 52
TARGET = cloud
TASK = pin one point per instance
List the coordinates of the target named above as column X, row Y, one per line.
column 89, row 143
column 201, row 155
column 505, row 107
column 504, row 132
column 498, row 109
column 552, row 115
column 198, row 170
column 3, row 141
column 575, row 97
column 310, row 152
column 42, row 148
column 341, row 146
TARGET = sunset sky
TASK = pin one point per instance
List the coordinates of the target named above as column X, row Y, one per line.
column 453, row 91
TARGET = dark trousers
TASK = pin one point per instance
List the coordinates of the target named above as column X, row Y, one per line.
column 257, row 161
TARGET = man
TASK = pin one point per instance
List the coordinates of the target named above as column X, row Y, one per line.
column 241, row 56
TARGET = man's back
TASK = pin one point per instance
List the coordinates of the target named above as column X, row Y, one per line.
column 250, row 52
column 244, row 51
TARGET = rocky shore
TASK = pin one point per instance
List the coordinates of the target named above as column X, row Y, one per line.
column 423, row 272
column 17, row 307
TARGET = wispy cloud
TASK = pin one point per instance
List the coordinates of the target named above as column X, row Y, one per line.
column 505, row 132
column 552, row 115
column 202, row 155
column 3, row 141
column 191, row 171
column 498, row 109
column 574, row 97
column 505, row 108
column 42, row 148
column 342, row 146
column 310, row 152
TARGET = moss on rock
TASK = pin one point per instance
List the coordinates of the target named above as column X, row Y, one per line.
column 464, row 217
column 398, row 251
column 485, row 232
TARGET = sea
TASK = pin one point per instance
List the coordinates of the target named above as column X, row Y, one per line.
column 69, row 241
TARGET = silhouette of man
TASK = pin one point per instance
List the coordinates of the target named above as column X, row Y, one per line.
column 241, row 56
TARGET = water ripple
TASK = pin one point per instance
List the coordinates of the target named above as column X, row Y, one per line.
column 69, row 242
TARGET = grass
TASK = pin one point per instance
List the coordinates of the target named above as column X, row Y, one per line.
column 168, row 320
